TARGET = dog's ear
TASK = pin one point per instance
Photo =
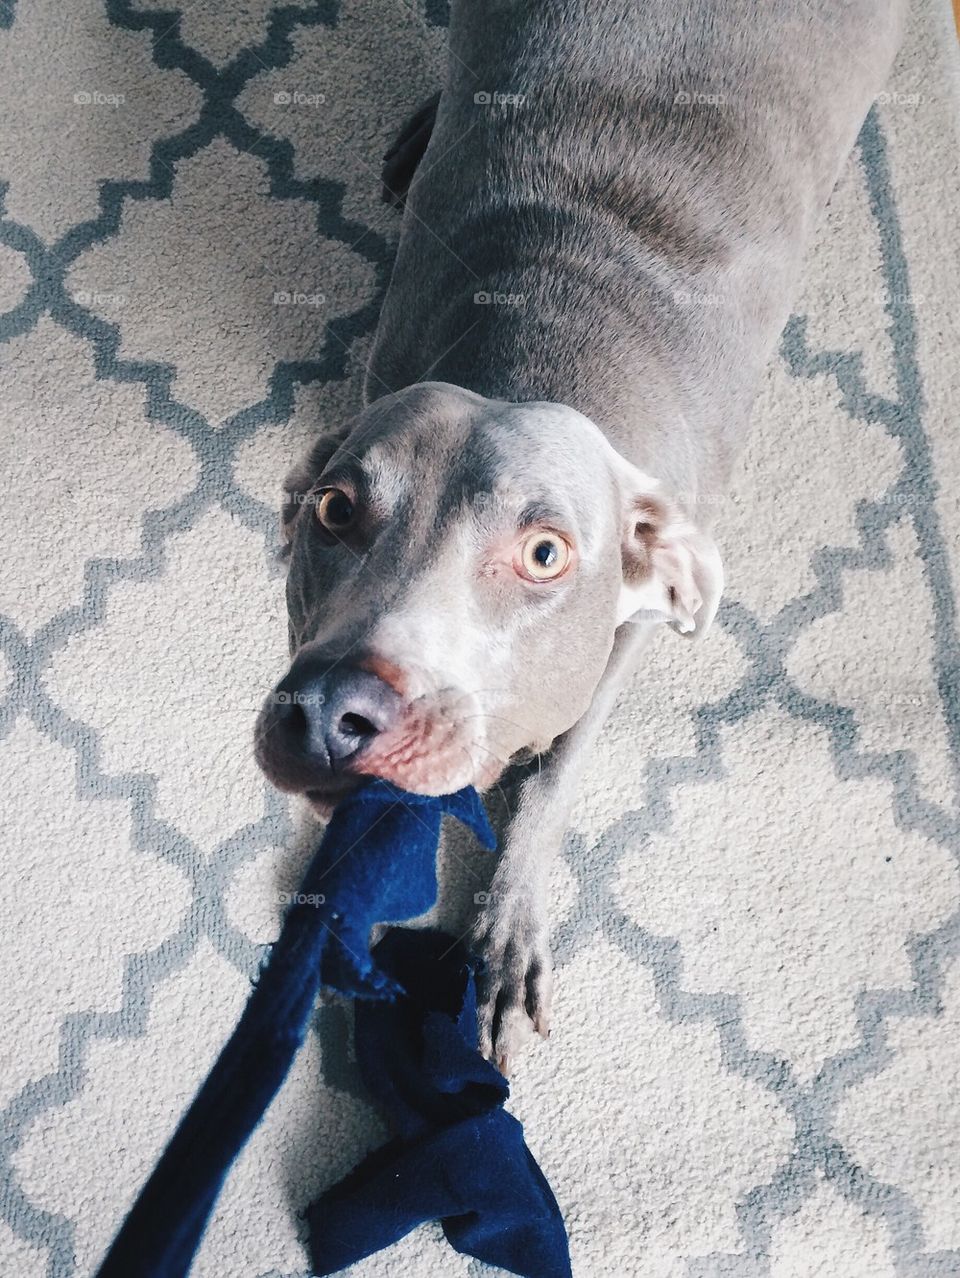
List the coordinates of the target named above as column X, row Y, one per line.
column 300, row 480
column 671, row 570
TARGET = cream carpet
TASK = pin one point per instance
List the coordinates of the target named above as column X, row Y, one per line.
column 755, row 1069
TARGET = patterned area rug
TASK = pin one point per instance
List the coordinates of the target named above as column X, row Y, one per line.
column 754, row 1070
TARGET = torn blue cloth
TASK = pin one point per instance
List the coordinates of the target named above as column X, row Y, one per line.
column 376, row 863
column 458, row 1156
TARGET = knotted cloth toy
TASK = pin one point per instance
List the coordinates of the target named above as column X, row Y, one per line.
column 457, row 1155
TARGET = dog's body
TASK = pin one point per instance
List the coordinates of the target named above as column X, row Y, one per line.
column 650, row 199
column 610, row 216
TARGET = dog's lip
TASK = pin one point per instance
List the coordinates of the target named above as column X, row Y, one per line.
column 330, row 793
column 323, row 799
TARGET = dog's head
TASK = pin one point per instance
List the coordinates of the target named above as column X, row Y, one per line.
column 458, row 567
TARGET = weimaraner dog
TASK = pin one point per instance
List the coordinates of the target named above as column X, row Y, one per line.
column 599, row 248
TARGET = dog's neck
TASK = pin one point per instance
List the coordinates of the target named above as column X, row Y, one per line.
column 623, row 351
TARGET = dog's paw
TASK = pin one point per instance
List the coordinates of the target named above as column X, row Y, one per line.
column 515, row 981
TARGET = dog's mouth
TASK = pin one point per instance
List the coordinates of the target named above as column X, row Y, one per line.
column 409, row 766
column 427, row 752
column 419, row 779
column 323, row 801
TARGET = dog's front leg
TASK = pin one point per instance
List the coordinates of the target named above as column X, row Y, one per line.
column 512, row 932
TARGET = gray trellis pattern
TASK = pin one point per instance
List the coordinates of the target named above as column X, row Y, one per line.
column 758, row 907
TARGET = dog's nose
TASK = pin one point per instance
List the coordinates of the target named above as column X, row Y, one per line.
column 329, row 715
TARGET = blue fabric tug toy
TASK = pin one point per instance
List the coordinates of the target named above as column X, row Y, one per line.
column 457, row 1155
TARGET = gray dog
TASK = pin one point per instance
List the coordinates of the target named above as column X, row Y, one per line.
column 599, row 249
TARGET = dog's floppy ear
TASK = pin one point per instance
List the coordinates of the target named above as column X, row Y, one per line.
column 300, row 480
column 671, row 570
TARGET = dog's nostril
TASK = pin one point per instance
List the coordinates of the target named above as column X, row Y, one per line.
column 355, row 725
column 296, row 720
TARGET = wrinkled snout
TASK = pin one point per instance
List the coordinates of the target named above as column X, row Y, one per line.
column 320, row 719
column 330, row 721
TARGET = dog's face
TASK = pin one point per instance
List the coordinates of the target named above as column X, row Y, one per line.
column 457, row 569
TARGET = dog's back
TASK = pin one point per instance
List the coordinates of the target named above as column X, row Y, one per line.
column 615, row 201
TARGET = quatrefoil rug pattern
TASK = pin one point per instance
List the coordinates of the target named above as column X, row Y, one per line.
column 754, row 1070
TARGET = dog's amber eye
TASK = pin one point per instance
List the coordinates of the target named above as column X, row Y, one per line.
column 335, row 510
column 543, row 556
